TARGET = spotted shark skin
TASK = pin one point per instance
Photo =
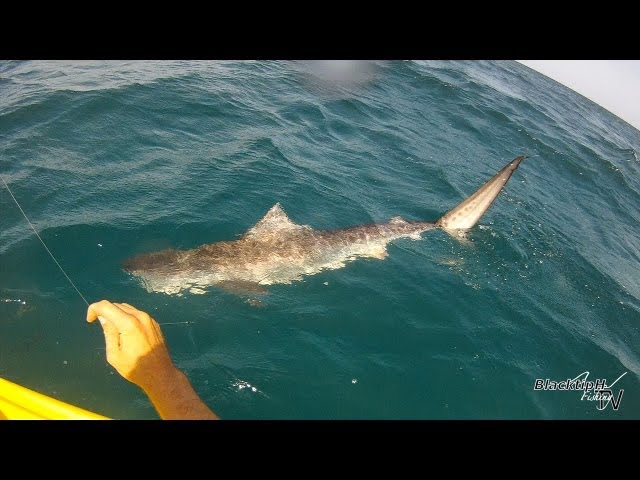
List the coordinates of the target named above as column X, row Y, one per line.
column 279, row 251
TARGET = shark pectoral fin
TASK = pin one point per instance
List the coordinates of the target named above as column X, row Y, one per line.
column 243, row 288
column 378, row 252
column 197, row 291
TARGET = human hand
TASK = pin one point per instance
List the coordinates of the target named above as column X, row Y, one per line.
column 137, row 350
column 134, row 343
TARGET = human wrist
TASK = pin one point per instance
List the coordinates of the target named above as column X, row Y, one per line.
column 174, row 398
column 162, row 381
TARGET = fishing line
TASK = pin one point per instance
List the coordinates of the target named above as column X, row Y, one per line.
column 41, row 241
column 54, row 258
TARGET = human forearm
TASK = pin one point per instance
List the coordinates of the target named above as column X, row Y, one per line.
column 136, row 348
column 174, row 398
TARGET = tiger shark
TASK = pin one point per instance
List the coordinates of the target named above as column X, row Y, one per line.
column 277, row 250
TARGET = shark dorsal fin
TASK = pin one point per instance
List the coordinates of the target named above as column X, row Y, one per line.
column 275, row 221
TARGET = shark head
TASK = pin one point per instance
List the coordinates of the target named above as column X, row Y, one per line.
column 152, row 262
column 156, row 268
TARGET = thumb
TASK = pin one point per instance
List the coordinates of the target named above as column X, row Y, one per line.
column 111, row 339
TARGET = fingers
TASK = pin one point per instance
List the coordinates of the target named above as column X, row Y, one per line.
column 122, row 318
column 131, row 310
column 111, row 312
column 104, row 308
column 150, row 326
column 111, row 339
column 134, row 344
column 144, row 317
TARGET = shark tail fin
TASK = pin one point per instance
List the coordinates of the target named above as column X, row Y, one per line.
column 466, row 214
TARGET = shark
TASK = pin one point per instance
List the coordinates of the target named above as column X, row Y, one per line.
column 277, row 250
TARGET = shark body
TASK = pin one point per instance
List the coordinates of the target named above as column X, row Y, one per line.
column 277, row 250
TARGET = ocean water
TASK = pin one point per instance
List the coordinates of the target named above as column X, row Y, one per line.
column 112, row 159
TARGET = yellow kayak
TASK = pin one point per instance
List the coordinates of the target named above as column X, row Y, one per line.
column 20, row 403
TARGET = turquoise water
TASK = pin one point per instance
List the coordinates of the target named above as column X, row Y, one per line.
column 111, row 159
